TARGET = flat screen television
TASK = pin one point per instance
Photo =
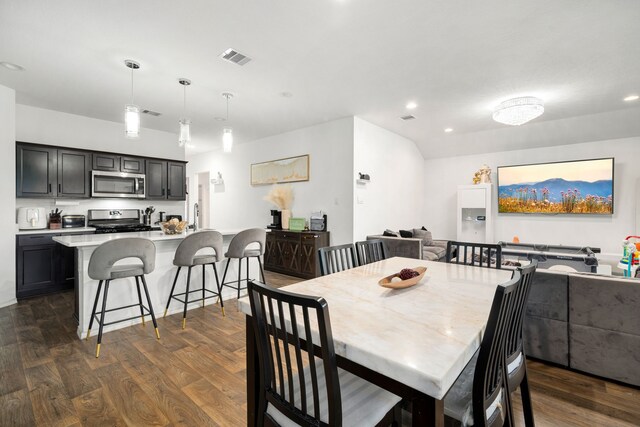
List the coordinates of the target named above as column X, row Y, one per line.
column 572, row 187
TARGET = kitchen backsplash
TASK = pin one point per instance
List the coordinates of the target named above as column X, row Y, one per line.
column 81, row 206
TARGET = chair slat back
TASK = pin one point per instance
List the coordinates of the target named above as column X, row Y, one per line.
column 514, row 343
column 489, row 382
column 474, row 254
column 337, row 258
column 370, row 251
column 290, row 354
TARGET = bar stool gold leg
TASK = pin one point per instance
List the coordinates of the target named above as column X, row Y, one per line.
column 88, row 334
column 98, row 350
column 184, row 323
column 157, row 333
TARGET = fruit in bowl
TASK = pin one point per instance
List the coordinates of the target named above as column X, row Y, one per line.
column 405, row 278
column 407, row 273
column 173, row 226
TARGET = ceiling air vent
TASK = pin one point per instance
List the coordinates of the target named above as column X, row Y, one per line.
column 151, row 113
column 409, row 117
column 234, row 56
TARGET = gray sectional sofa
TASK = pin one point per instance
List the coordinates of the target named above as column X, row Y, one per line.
column 586, row 322
column 410, row 247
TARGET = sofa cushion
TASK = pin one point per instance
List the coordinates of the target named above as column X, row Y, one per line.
column 390, row 233
column 433, row 253
column 406, row 234
column 425, row 235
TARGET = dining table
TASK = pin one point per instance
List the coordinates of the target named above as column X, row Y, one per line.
column 413, row 342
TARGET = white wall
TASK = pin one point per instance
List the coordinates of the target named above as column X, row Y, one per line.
column 7, row 195
column 394, row 197
column 442, row 177
column 237, row 204
column 39, row 125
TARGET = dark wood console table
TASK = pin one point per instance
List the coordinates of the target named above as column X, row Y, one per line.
column 294, row 252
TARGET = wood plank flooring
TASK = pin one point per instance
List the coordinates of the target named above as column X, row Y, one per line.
column 196, row 376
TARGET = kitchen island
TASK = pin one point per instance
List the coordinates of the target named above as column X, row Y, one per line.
column 159, row 281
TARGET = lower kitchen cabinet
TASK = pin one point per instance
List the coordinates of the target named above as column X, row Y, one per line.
column 42, row 265
column 294, row 252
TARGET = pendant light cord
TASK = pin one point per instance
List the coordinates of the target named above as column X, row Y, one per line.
column 132, row 85
column 227, row 108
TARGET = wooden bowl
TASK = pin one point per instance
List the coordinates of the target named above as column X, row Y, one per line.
column 387, row 283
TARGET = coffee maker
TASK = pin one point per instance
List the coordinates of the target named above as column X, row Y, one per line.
column 277, row 220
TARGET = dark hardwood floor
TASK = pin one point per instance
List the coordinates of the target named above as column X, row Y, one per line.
column 196, row 377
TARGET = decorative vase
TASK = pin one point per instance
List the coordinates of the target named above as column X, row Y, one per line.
column 286, row 214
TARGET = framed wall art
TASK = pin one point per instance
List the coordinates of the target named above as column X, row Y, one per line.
column 291, row 169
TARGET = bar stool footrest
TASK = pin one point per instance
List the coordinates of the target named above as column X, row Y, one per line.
column 146, row 310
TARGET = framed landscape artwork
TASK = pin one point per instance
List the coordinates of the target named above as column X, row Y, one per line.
column 574, row 187
column 291, row 169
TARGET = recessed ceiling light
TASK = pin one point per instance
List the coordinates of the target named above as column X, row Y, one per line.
column 286, row 94
column 411, row 105
column 219, row 119
column 11, row 66
column 632, row 98
column 448, row 130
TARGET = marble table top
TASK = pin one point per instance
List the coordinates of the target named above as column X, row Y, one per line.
column 422, row 336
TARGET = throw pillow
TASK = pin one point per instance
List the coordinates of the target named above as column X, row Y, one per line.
column 389, row 233
column 406, row 234
column 427, row 239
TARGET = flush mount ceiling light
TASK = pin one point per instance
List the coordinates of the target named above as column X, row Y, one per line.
column 227, row 133
column 185, row 123
column 132, row 111
column 632, row 98
column 411, row 105
column 518, row 111
column 11, row 66
column 448, row 130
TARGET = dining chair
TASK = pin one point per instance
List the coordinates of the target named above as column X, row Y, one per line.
column 515, row 362
column 369, row 251
column 337, row 258
column 474, row 254
column 300, row 383
column 480, row 397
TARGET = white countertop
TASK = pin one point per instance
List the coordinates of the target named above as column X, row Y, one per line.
column 59, row 230
column 155, row 236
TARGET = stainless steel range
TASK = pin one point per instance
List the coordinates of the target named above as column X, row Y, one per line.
column 116, row 221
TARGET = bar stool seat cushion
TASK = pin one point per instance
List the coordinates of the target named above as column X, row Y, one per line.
column 126, row 270
column 363, row 403
column 247, row 253
column 204, row 259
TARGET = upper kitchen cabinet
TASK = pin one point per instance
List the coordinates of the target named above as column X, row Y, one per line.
column 165, row 180
column 116, row 163
column 176, row 181
column 74, row 168
column 43, row 171
column 36, row 171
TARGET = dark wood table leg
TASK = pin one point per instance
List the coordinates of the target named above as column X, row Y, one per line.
column 427, row 411
column 253, row 372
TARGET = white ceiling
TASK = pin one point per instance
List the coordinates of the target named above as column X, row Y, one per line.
column 455, row 58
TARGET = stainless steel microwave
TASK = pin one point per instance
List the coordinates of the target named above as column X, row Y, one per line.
column 117, row 184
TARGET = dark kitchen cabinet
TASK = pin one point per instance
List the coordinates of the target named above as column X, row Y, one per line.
column 74, row 169
column 42, row 265
column 106, row 162
column 156, row 179
column 176, row 180
column 115, row 163
column 165, row 180
column 36, row 171
column 131, row 164
column 294, row 252
column 43, row 171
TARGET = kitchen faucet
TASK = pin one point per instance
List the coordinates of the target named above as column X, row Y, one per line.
column 196, row 216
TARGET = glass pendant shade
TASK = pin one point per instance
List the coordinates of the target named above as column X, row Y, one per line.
column 132, row 121
column 227, row 140
column 185, row 132
column 518, row 111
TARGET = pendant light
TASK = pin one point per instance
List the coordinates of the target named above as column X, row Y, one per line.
column 185, row 124
column 132, row 111
column 227, row 133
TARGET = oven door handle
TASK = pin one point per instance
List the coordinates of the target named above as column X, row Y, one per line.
column 135, row 185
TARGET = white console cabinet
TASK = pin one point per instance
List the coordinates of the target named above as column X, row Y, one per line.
column 475, row 213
